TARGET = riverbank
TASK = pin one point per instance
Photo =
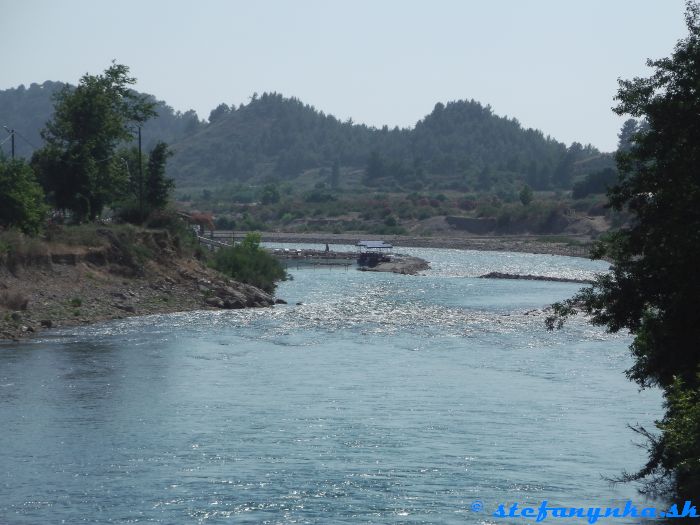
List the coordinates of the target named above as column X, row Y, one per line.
column 115, row 273
column 552, row 245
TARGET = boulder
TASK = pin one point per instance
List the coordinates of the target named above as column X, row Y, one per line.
column 126, row 307
column 216, row 302
column 256, row 295
column 233, row 304
column 224, row 291
column 231, row 298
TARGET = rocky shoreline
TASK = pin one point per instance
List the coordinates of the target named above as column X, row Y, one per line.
column 528, row 277
column 68, row 286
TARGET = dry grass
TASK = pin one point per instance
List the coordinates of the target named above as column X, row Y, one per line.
column 15, row 243
column 13, row 300
column 81, row 235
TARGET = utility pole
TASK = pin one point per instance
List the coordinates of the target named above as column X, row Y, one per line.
column 12, row 139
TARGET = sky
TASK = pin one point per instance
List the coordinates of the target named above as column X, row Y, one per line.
column 552, row 64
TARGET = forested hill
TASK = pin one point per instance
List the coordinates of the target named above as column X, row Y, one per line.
column 460, row 145
column 27, row 109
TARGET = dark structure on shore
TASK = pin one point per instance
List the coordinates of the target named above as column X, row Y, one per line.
column 373, row 252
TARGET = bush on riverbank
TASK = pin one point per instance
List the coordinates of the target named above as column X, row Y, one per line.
column 21, row 197
column 247, row 262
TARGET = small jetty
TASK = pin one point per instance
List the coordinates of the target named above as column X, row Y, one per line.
column 371, row 255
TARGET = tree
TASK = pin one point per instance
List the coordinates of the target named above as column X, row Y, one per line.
column 139, row 198
column 21, row 197
column 376, row 168
column 77, row 166
column 526, row 195
column 158, row 186
column 626, row 135
column 596, row 182
column 270, row 194
column 220, row 111
column 564, row 170
column 654, row 285
column 334, row 180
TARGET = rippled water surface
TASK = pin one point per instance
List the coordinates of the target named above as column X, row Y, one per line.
column 380, row 399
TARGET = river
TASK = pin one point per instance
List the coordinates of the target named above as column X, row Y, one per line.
column 381, row 399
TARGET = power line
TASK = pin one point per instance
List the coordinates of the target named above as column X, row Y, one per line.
column 14, row 132
column 25, row 139
column 12, row 136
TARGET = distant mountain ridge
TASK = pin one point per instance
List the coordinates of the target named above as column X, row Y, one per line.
column 460, row 145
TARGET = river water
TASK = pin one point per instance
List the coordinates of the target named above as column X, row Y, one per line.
column 381, row 399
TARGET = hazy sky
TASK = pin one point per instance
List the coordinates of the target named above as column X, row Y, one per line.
column 552, row 64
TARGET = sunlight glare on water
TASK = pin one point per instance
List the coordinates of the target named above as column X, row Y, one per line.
column 380, row 399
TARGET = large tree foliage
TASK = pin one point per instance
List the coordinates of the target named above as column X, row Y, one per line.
column 157, row 186
column 148, row 189
column 21, row 198
column 654, row 285
column 27, row 109
column 78, row 167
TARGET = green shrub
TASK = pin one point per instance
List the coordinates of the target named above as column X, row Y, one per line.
column 247, row 262
column 76, row 302
column 21, row 197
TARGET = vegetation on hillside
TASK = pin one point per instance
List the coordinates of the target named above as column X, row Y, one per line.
column 460, row 145
column 278, row 163
column 28, row 109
